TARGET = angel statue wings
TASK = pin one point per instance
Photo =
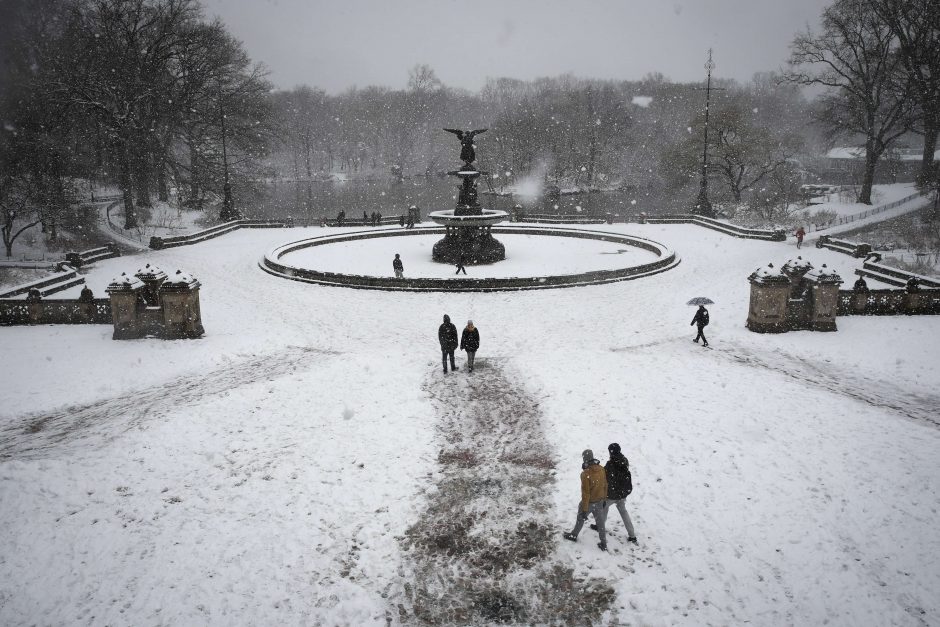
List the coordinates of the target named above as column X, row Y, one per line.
column 467, row 153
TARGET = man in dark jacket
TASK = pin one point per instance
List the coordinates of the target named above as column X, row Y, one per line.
column 398, row 266
column 447, row 336
column 470, row 342
column 593, row 499
column 700, row 320
column 619, row 485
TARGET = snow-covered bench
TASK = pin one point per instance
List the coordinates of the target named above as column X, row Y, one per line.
column 856, row 249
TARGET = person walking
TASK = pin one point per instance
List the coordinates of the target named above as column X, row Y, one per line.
column 399, row 267
column 470, row 342
column 619, row 486
column 460, row 262
column 412, row 213
column 701, row 321
column 593, row 499
column 447, row 336
column 800, row 234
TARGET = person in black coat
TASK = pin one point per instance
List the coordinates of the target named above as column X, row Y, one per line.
column 470, row 342
column 700, row 320
column 619, row 486
column 447, row 336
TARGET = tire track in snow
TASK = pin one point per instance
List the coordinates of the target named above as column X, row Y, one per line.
column 39, row 435
column 484, row 551
column 916, row 405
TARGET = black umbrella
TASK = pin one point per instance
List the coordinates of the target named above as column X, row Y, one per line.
column 701, row 300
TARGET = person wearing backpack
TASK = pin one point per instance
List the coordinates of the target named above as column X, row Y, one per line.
column 700, row 320
column 619, row 486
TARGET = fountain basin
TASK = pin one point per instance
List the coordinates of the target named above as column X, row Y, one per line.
column 486, row 217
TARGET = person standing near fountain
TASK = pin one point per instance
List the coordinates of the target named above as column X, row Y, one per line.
column 470, row 342
column 399, row 267
column 460, row 262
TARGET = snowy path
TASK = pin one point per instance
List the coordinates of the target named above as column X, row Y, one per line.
column 483, row 551
column 35, row 437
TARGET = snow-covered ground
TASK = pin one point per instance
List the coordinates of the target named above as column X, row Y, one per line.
column 843, row 204
column 270, row 472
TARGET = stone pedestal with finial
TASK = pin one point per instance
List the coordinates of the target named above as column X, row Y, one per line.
column 126, row 298
column 770, row 293
column 795, row 297
column 824, row 297
column 179, row 294
column 150, row 303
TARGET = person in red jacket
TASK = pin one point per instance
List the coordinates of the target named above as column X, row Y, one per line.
column 800, row 234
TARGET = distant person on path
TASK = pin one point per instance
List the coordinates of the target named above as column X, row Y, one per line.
column 447, row 336
column 399, row 267
column 470, row 342
column 412, row 211
column 460, row 262
column 701, row 321
column 593, row 499
column 860, row 285
column 800, row 234
column 619, row 486
column 374, row 219
column 378, row 218
column 365, row 218
column 401, row 219
column 340, row 218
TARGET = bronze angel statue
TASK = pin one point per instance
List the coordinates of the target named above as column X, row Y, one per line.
column 467, row 153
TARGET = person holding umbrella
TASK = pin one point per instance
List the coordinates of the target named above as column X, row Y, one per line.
column 701, row 318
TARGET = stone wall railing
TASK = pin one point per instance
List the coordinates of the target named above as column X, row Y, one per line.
column 856, row 249
column 58, row 282
column 894, row 276
column 158, row 243
column 15, row 312
column 717, row 225
column 383, row 221
column 77, row 260
column 888, row 303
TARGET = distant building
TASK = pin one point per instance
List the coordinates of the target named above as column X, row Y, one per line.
column 846, row 164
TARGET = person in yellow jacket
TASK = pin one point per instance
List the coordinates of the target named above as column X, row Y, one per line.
column 593, row 499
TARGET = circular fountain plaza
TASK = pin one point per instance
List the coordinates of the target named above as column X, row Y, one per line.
column 536, row 257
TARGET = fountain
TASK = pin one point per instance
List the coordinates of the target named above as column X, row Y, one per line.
column 468, row 236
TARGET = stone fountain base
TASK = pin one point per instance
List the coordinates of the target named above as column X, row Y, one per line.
column 468, row 235
column 475, row 244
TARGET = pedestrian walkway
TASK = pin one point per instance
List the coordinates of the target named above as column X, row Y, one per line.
column 484, row 548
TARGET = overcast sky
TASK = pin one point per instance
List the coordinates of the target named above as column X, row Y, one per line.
column 335, row 44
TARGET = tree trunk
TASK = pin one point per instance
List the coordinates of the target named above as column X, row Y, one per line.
column 130, row 216
column 931, row 129
column 162, row 189
column 9, row 247
column 194, row 201
column 143, row 179
column 868, row 179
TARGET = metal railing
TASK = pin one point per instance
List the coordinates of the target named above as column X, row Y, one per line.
column 865, row 214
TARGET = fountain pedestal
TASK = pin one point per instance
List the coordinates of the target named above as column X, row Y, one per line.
column 468, row 236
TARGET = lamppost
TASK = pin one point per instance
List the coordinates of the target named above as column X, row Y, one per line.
column 228, row 208
column 702, row 206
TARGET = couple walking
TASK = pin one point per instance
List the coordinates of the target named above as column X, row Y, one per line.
column 602, row 487
column 469, row 341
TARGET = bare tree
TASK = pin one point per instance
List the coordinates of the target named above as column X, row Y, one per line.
column 916, row 25
column 856, row 56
